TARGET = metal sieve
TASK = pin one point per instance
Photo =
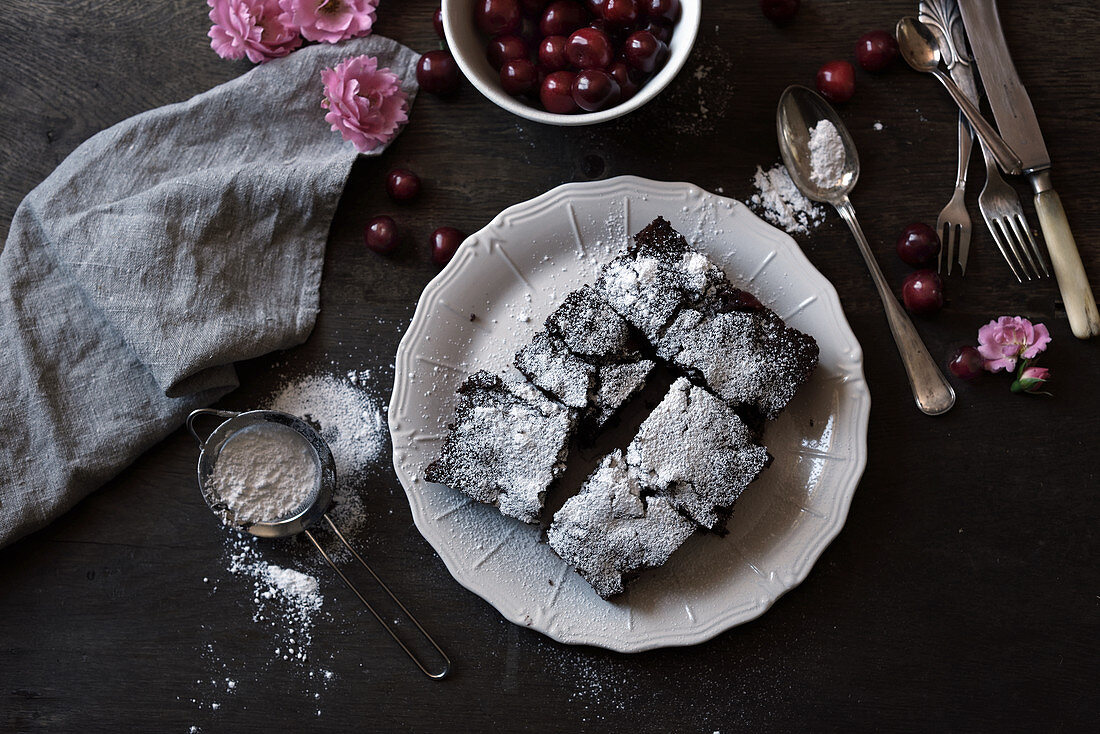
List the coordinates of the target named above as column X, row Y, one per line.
column 314, row 508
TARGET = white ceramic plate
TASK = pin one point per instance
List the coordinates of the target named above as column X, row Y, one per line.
column 509, row 277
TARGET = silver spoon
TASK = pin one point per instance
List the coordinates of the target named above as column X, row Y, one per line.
column 800, row 109
column 921, row 51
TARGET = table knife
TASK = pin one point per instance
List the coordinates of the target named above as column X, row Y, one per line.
column 1019, row 127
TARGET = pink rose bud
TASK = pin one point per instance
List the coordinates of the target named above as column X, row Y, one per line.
column 1031, row 379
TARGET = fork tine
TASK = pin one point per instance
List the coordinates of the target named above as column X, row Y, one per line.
column 943, row 227
column 1021, row 224
column 947, row 251
column 1018, row 237
column 998, row 238
column 1014, row 248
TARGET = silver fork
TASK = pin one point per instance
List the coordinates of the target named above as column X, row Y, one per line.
column 953, row 224
column 1004, row 215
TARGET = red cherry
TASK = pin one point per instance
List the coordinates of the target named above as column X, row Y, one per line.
column 445, row 242
column 918, row 245
column 437, row 22
column 380, row 235
column 437, row 73
column 532, row 7
column 661, row 31
column 780, row 12
column 556, row 92
column 922, row 292
column 552, row 53
column 518, row 76
column 595, row 7
column 589, row 48
column 402, row 184
column 836, row 80
column 966, row 363
column 496, row 17
column 643, row 51
column 667, row 11
column 562, row 17
column 627, row 79
column 595, row 90
column 876, row 50
column 621, row 12
column 502, row 48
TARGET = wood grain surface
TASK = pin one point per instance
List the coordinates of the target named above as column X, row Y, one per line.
column 960, row 596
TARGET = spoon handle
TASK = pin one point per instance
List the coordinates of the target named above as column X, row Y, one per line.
column 930, row 388
column 1006, row 157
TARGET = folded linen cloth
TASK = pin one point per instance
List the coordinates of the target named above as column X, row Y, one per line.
column 160, row 252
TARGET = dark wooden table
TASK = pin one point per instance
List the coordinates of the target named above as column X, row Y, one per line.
column 961, row 594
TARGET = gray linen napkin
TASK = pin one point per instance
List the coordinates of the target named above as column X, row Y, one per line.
column 161, row 251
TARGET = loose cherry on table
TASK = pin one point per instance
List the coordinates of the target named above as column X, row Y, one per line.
column 594, row 89
column 918, row 245
column 780, row 12
column 402, row 184
column 437, row 22
column 876, row 50
column 588, row 48
column 556, row 92
column 496, row 17
column 445, row 242
column 437, row 73
column 922, row 292
column 518, row 76
column 502, row 48
column 836, row 80
column 966, row 363
column 380, row 235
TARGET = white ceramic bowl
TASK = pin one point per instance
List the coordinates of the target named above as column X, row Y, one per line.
column 467, row 44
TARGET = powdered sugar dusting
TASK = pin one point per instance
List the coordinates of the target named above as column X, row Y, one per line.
column 780, row 202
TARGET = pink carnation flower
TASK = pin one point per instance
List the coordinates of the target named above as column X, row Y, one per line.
column 258, row 29
column 1002, row 342
column 365, row 104
column 331, row 20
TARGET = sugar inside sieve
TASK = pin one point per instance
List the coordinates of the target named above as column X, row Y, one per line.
column 305, row 469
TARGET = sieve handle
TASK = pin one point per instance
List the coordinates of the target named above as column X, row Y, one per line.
column 206, row 411
column 442, row 672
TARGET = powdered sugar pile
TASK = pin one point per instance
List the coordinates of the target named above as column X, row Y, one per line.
column 780, row 202
column 264, row 473
column 350, row 420
column 826, row 154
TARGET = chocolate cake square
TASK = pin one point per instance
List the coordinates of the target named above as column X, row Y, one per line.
column 610, row 531
column 748, row 358
column 656, row 277
column 507, row 445
column 697, row 453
